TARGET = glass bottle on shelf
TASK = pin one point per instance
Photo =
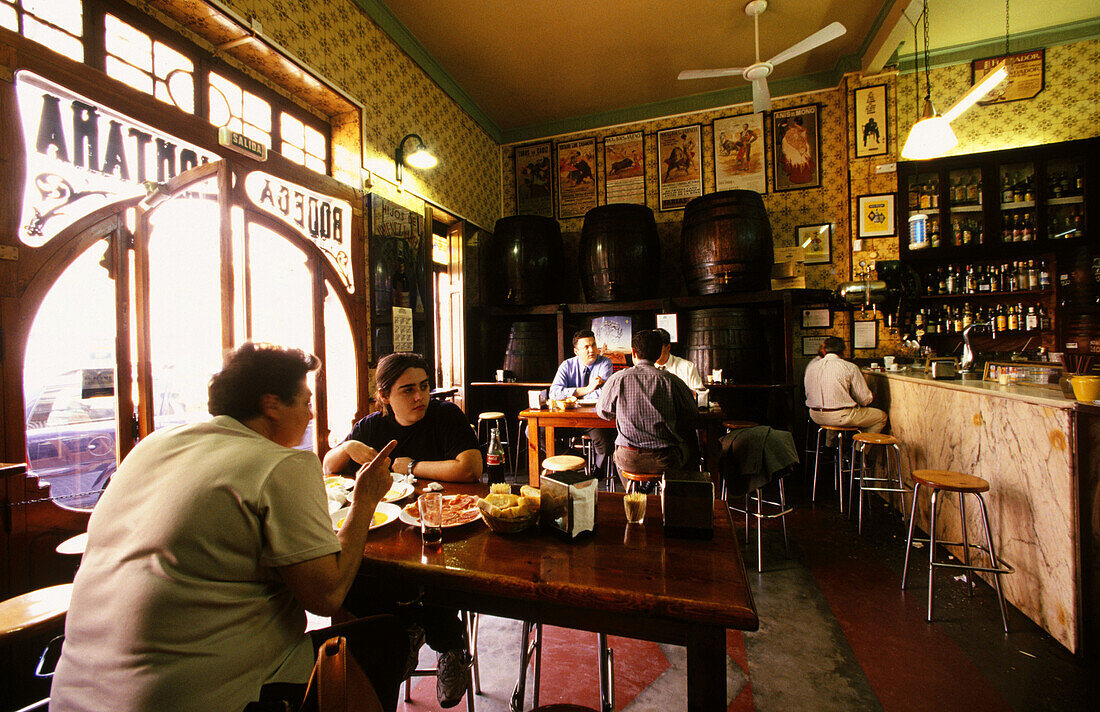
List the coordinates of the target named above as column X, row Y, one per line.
column 1031, row 320
column 1000, row 319
column 1013, row 319
column 1044, row 275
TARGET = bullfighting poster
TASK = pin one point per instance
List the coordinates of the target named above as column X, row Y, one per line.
column 679, row 166
column 576, row 177
column 739, row 153
column 624, row 168
column 872, row 134
column 534, row 180
column 797, row 148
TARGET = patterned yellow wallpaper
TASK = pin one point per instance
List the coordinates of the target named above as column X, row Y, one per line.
column 341, row 42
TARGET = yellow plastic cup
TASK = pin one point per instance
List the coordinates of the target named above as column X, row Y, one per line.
column 1086, row 388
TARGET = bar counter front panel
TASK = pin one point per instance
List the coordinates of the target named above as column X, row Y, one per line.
column 1021, row 440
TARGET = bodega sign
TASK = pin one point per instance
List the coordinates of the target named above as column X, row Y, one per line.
column 81, row 156
column 318, row 217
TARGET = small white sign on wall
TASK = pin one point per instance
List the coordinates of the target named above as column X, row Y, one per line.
column 668, row 323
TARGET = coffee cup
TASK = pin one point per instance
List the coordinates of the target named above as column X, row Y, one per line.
column 875, row 366
column 888, row 360
column 891, row 367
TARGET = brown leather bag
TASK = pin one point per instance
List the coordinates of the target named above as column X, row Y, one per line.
column 338, row 684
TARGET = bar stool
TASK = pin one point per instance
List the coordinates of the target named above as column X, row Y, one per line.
column 563, row 463
column 879, row 484
column 473, row 679
column 633, row 479
column 533, row 646
column 948, row 481
column 496, row 418
column 30, row 612
column 779, row 510
column 838, row 474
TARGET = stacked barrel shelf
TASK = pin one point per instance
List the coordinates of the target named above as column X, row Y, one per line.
column 727, row 316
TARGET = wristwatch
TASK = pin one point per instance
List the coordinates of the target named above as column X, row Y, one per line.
column 412, row 464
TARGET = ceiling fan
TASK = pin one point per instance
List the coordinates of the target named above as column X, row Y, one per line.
column 758, row 71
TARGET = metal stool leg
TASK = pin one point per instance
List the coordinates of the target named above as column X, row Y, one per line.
column 994, row 562
column 969, row 575
column 471, row 620
column 859, row 487
column 783, row 519
column 909, row 540
column 817, row 460
column 932, row 549
column 759, row 531
column 607, row 674
column 527, row 648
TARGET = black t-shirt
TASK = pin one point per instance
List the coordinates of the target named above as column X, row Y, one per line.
column 441, row 434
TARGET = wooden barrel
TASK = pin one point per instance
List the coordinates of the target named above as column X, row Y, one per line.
column 732, row 339
column 620, row 253
column 532, row 353
column 524, row 261
column 726, row 243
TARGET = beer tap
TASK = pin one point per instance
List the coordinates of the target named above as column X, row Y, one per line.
column 968, row 353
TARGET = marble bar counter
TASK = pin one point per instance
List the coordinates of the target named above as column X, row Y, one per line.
column 1033, row 446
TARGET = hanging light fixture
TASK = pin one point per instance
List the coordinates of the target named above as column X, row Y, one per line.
column 421, row 157
column 932, row 137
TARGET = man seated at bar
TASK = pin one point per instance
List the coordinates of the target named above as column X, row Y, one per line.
column 686, row 370
column 434, row 442
column 651, row 408
column 836, row 392
column 581, row 377
column 207, row 549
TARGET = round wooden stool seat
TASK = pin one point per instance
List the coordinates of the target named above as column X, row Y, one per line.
column 34, row 608
column 73, row 545
column 875, row 439
column 950, row 481
column 738, row 424
column 641, row 476
column 563, row 463
column 840, row 428
column 490, row 415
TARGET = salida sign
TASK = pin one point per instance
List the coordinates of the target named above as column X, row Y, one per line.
column 81, row 156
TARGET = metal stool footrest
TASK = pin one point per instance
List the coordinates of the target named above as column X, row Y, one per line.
column 1002, row 567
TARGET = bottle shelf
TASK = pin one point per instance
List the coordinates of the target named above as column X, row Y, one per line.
column 995, row 296
column 966, row 208
column 1018, row 205
column 1070, row 200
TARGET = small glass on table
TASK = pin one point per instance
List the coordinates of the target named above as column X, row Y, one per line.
column 431, row 519
column 634, row 504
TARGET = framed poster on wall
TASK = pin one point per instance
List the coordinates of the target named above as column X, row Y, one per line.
column 817, row 241
column 576, row 161
column 624, row 168
column 797, row 148
column 739, row 153
column 876, row 216
column 679, row 166
column 534, row 176
column 872, row 127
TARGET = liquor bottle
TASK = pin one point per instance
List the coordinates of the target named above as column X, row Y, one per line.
column 935, row 192
column 1044, row 276
column 494, row 458
column 958, row 320
column 1001, row 319
column 1018, row 189
column 941, row 284
column 914, row 195
column 1032, row 275
column 1013, row 278
column 1078, row 229
column 973, row 190
column 925, row 199
column 971, row 286
column 985, row 281
column 949, row 282
column 1006, row 188
column 1054, row 184
column 934, row 232
column 968, row 316
column 979, row 231
column 1031, row 320
column 1028, row 194
column 1013, row 319
column 918, row 320
column 1026, row 234
column 1079, row 181
column 1044, row 319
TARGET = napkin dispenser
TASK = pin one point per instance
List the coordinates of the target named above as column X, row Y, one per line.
column 568, row 503
column 687, row 504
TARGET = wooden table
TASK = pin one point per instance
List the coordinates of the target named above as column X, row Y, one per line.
column 630, row 582
column 543, row 423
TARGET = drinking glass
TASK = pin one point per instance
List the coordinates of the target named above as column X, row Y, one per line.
column 431, row 519
column 634, row 504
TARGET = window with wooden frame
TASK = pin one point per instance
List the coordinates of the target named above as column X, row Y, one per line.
column 58, row 24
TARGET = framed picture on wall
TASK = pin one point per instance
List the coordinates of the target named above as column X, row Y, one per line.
column 534, row 176
column 739, row 153
column 679, row 166
column 820, row 318
column 796, row 148
column 811, row 345
column 576, row 179
column 876, row 216
column 624, row 168
column 872, row 128
column 865, row 334
column 816, row 241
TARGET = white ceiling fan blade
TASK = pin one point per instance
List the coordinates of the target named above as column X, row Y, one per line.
column 761, row 97
column 710, row 73
column 825, row 34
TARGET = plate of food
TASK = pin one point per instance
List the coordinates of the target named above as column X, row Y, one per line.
column 383, row 515
column 399, row 491
column 458, row 509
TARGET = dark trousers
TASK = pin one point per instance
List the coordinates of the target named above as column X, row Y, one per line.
column 650, row 461
column 379, row 644
column 603, row 442
column 443, row 629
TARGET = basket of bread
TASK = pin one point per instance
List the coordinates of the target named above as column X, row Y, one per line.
column 508, row 513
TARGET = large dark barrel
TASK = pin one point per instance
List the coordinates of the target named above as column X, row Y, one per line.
column 532, row 351
column 524, row 261
column 732, row 339
column 620, row 253
column 726, row 243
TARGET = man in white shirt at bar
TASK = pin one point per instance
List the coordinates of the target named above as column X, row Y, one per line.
column 836, row 392
column 686, row 370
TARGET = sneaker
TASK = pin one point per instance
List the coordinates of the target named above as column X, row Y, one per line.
column 452, row 676
column 416, row 640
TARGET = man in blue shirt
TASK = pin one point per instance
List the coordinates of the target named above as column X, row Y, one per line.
column 581, row 377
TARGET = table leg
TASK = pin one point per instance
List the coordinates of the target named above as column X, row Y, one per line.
column 533, row 452
column 706, row 673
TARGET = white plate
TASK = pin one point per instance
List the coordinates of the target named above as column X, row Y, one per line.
column 383, row 515
column 415, row 521
column 398, row 492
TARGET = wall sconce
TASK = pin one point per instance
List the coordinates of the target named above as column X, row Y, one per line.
column 419, row 158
